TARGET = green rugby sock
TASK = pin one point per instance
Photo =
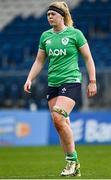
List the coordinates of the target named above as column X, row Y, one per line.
column 72, row 156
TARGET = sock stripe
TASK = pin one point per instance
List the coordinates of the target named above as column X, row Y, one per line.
column 72, row 156
column 69, row 158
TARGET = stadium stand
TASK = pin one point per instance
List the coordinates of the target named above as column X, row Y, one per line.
column 21, row 25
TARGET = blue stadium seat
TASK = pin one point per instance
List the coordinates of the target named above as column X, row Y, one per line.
column 14, row 92
column 2, row 94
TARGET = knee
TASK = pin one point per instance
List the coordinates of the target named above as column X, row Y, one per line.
column 59, row 115
column 60, row 111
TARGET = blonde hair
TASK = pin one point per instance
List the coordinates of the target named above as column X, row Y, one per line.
column 64, row 7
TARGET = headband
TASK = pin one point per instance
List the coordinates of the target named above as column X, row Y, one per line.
column 54, row 8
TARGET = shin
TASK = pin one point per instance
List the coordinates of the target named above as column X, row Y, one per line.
column 62, row 124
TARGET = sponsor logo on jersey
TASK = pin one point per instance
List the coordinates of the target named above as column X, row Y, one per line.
column 65, row 41
column 57, row 52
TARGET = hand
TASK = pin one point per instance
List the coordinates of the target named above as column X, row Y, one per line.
column 91, row 89
column 27, row 86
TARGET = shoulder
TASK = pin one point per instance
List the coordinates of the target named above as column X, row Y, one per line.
column 74, row 31
column 46, row 33
column 78, row 34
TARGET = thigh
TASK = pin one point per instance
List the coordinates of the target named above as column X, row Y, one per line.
column 51, row 103
column 65, row 103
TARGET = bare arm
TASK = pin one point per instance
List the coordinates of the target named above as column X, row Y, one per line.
column 35, row 70
column 37, row 66
column 85, row 51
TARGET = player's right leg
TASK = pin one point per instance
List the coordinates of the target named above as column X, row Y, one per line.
column 72, row 167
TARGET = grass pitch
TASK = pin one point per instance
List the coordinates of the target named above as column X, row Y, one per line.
column 47, row 162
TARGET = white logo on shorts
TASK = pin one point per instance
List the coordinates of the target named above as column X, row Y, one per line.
column 63, row 90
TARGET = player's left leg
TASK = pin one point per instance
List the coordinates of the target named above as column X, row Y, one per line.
column 73, row 91
column 77, row 167
column 60, row 113
column 73, row 166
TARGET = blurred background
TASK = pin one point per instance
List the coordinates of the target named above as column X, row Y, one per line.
column 25, row 119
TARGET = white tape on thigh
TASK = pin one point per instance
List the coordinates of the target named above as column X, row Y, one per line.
column 60, row 111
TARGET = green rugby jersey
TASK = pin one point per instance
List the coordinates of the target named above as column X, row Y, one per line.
column 62, row 51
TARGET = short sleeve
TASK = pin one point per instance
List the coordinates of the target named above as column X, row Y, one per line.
column 41, row 42
column 80, row 39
